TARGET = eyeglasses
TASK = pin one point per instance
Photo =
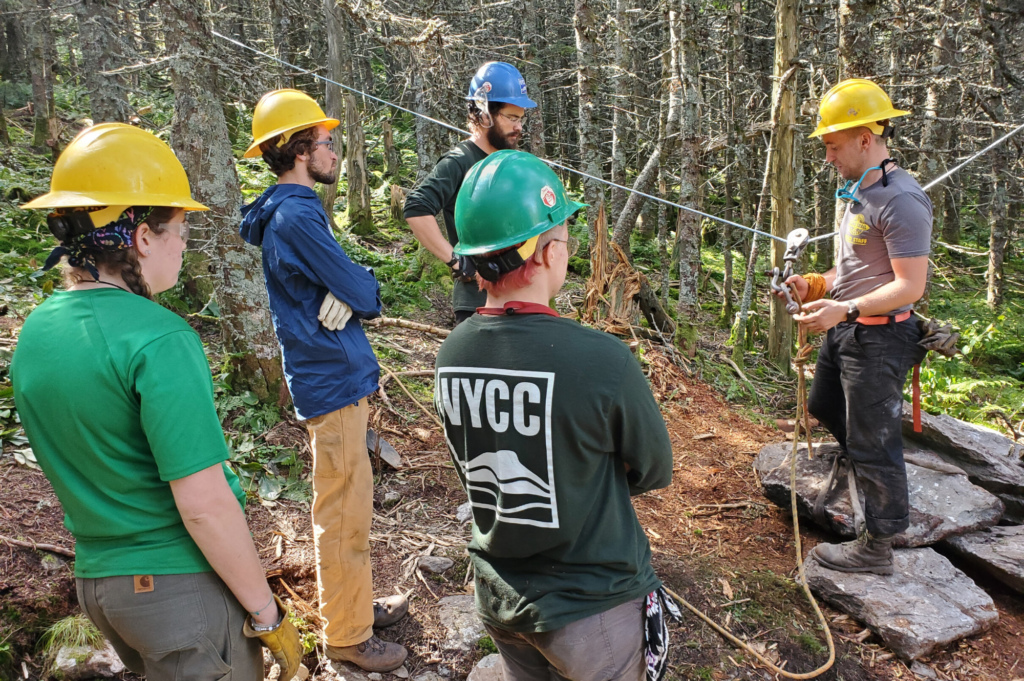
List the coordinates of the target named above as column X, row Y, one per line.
column 327, row 143
column 182, row 229
column 513, row 119
column 572, row 244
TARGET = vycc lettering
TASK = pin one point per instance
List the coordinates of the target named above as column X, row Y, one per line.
column 497, row 425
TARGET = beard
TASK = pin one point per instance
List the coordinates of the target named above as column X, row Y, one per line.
column 502, row 141
column 322, row 175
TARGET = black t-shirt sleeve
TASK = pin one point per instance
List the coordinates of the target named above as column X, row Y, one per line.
column 437, row 189
column 639, row 432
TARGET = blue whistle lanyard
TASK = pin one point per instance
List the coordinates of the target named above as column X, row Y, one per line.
column 846, row 194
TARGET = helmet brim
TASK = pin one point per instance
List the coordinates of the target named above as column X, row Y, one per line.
column 555, row 218
column 521, row 102
column 64, row 199
column 254, row 149
column 858, row 123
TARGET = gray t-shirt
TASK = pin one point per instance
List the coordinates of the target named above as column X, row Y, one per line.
column 890, row 222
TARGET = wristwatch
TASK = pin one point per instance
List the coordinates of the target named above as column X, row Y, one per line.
column 451, row 263
column 852, row 312
column 263, row 628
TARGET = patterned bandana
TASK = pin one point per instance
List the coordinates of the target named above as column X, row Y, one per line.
column 116, row 236
column 659, row 607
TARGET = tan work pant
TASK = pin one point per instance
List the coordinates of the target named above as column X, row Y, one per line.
column 342, row 512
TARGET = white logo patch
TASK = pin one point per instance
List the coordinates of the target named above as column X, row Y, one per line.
column 502, row 418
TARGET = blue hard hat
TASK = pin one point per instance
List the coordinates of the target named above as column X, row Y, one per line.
column 500, row 82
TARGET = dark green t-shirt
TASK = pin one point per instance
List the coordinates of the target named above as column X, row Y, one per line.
column 116, row 398
column 540, row 415
column 435, row 195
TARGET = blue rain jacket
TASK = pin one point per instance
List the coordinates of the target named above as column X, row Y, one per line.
column 325, row 370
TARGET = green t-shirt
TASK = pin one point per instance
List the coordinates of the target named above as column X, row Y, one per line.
column 116, row 398
column 435, row 195
column 540, row 414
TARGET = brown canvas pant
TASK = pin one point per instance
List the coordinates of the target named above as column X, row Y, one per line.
column 186, row 628
column 342, row 512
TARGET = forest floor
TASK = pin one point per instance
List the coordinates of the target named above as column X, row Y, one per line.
column 736, row 564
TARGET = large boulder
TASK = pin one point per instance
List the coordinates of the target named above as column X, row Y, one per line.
column 926, row 605
column 86, row 662
column 997, row 550
column 943, row 502
column 989, row 459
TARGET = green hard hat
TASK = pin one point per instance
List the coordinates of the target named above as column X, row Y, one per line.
column 507, row 198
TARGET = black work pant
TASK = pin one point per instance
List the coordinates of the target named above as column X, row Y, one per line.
column 857, row 394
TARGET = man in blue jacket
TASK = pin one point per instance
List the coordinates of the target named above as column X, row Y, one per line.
column 317, row 295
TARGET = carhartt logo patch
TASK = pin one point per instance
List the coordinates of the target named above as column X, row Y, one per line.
column 143, row 584
column 547, row 195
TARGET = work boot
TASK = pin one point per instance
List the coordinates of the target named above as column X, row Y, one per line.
column 372, row 655
column 387, row 611
column 864, row 554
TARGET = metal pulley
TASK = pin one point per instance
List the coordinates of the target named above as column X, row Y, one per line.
column 796, row 242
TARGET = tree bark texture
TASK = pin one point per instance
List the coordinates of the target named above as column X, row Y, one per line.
column 200, row 139
column 589, row 83
column 780, row 334
column 620, row 121
column 360, row 214
column 99, row 38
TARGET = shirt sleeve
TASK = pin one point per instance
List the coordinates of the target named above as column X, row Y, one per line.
column 322, row 260
column 175, row 391
column 907, row 226
column 436, row 191
column 640, row 436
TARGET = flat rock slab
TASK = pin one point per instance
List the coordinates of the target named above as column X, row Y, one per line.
column 989, row 459
column 86, row 662
column 942, row 501
column 926, row 605
column 487, row 669
column 462, row 624
column 997, row 550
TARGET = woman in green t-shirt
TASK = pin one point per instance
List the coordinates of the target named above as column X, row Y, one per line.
column 115, row 395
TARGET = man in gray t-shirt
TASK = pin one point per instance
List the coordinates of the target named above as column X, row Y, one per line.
column 872, row 339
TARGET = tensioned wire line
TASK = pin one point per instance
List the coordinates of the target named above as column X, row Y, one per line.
column 580, row 173
column 553, row 164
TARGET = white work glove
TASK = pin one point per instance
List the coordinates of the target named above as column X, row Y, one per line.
column 334, row 313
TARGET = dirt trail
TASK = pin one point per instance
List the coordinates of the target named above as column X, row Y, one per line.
column 734, row 561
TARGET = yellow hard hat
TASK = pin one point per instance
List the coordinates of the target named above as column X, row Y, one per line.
column 855, row 103
column 283, row 112
column 113, row 164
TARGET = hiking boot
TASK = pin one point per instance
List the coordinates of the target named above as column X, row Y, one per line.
column 864, row 554
column 387, row 611
column 372, row 655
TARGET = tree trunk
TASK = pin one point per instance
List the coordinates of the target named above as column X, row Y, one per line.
column 99, row 41
column 360, row 214
column 533, row 37
column 40, row 34
column 392, row 158
column 688, row 225
column 999, row 234
column 780, row 335
column 620, row 121
column 200, row 138
column 338, row 69
column 589, row 82
column 427, row 144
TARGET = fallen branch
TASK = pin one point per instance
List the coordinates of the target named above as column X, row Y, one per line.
column 405, row 324
column 39, row 547
column 409, row 394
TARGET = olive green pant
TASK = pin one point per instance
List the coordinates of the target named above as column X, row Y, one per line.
column 189, row 627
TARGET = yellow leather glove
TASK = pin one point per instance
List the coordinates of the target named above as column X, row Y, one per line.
column 283, row 642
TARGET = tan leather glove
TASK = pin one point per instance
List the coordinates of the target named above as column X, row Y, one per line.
column 334, row 313
column 938, row 338
column 283, row 642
